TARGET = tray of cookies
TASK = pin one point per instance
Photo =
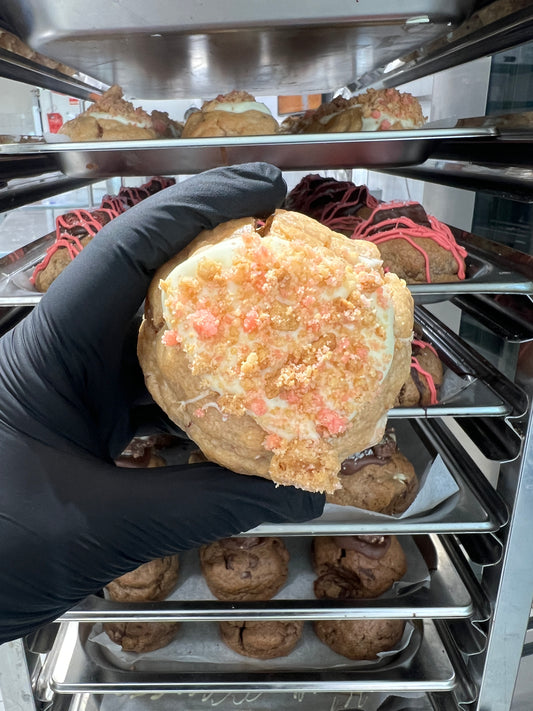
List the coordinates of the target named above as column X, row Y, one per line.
column 363, row 577
column 200, row 659
column 437, row 261
column 447, row 492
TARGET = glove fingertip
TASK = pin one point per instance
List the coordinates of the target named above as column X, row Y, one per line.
column 266, row 173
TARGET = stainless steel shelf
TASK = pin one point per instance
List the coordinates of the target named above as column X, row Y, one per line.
column 445, row 595
column 508, row 183
column 33, row 191
column 186, row 156
column 77, row 666
column 12, row 167
column 291, row 47
column 503, row 25
column 17, row 68
column 512, row 147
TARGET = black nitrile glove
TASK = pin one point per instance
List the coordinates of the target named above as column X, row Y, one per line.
column 72, row 397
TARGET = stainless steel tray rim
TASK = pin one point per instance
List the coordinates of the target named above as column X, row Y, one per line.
column 243, row 141
column 425, row 667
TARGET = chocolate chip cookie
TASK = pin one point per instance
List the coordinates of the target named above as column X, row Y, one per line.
column 262, row 640
column 353, row 567
column 245, row 568
column 359, row 639
column 379, row 478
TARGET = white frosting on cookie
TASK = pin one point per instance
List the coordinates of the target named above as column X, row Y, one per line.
column 309, row 325
column 142, row 123
column 239, row 107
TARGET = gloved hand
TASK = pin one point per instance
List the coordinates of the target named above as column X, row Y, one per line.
column 70, row 396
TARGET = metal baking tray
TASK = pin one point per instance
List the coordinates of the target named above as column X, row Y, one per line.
column 444, row 596
column 468, row 378
column 491, row 268
column 291, row 48
column 474, row 508
column 185, row 156
column 77, row 666
column 358, row 701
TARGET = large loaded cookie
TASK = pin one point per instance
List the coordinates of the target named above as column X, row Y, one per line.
column 278, row 347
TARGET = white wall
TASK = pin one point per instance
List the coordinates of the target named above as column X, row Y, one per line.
column 16, row 112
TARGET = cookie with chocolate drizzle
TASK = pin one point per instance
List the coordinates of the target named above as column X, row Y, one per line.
column 379, row 479
column 245, row 568
column 354, row 567
column 337, row 204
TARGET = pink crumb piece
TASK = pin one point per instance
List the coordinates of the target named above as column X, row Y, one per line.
column 376, row 113
column 291, row 397
column 171, row 338
column 200, row 412
column 332, row 421
column 385, row 124
column 272, row 442
column 251, row 321
column 205, row 323
column 258, row 406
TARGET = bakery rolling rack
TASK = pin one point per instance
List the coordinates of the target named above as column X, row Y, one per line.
column 475, row 611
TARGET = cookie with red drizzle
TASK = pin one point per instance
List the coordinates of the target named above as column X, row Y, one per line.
column 74, row 230
column 154, row 185
column 415, row 246
column 425, row 378
column 133, row 195
column 115, row 203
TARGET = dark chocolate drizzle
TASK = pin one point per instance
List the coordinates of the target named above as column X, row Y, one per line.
column 379, row 454
column 241, row 544
column 414, row 212
column 374, row 547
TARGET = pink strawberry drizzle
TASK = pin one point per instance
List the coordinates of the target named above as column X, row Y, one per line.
column 404, row 228
column 415, row 365
column 92, row 221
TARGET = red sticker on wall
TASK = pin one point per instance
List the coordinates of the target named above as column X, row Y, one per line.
column 55, row 121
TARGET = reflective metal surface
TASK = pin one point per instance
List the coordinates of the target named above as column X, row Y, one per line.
column 202, row 49
column 76, row 667
column 510, row 183
column 186, row 156
column 446, row 596
column 17, row 68
column 495, row 28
